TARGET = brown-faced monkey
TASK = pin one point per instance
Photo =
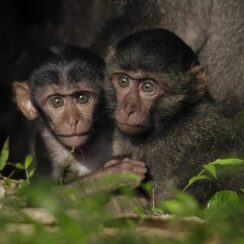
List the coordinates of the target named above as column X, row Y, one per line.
column 64, row 99
column 163, row 111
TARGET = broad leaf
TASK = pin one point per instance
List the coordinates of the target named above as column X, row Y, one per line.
column 31, row 173
column 174, row 207
column 19, row 166
column 28, row 161
column 184, row 204
column 222, row 198
column 211, row 169
column 197, row 178
column 228, row 161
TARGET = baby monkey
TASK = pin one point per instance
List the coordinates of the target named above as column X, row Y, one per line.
column 64, row 99
column 164, row 114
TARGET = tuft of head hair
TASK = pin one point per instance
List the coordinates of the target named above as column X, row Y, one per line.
column 154, row 50
column 66, row 63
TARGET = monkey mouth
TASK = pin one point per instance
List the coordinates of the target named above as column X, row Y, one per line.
column 131, row 129
column 74, row 140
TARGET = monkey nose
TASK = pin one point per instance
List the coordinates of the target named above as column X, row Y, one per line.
column 73, row 122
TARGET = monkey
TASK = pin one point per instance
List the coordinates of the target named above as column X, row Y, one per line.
column 64, row 102
column 164, row 114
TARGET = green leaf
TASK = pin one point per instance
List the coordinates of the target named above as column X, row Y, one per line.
column 4, row 155
column 19, row 166
column 174, row 207
column 189, row 201
column 197, row 178
column 157, row 211
column 28, row 160
column 222, row 198
column 8, row 181
column 147, row 186
column 228, row 161
column 211, row 169
column 183, row 204
column 31, row 173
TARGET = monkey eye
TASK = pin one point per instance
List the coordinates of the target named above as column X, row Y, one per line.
column 57, row 102
column 83, row 98
column 148, row 86
column 123, row 81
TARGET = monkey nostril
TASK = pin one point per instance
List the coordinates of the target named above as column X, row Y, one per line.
column 131, row 113
column 130, row 109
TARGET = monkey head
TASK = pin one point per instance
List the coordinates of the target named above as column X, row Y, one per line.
column 63, row 93
column 151, row 77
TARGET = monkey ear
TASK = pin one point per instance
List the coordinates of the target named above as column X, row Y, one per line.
column 200, row 76
column 22, row 94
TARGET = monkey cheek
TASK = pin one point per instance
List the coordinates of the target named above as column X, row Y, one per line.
column 74, row 141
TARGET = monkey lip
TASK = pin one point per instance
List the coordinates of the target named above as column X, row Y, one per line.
column 130, row 129
column 74, row 140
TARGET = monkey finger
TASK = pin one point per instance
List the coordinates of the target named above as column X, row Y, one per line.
column 132, row 167
column 133, row 161
column 138, row 170
column 127, row 166
column 141, row 170
column 111, row 163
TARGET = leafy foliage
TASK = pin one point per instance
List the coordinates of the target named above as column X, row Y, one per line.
column 44, row 212
column 209, row 171
column 26, row 167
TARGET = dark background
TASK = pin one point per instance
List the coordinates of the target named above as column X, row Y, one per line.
column 29, row 26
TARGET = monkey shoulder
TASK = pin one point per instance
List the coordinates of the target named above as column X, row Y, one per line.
column 203, row 134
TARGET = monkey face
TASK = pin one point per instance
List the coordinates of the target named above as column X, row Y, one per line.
column 136, row 93
column 155, row 76
column 69, row 111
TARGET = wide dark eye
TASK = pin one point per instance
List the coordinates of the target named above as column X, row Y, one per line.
column 57, row 102
column 83, row 98
column 123, row 81
column 148, row 86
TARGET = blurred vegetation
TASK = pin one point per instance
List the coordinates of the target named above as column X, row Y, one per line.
column 46, row 213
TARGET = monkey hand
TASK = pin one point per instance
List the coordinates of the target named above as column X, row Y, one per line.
column 127, row 165
column 124, row 172
column 114, row 175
